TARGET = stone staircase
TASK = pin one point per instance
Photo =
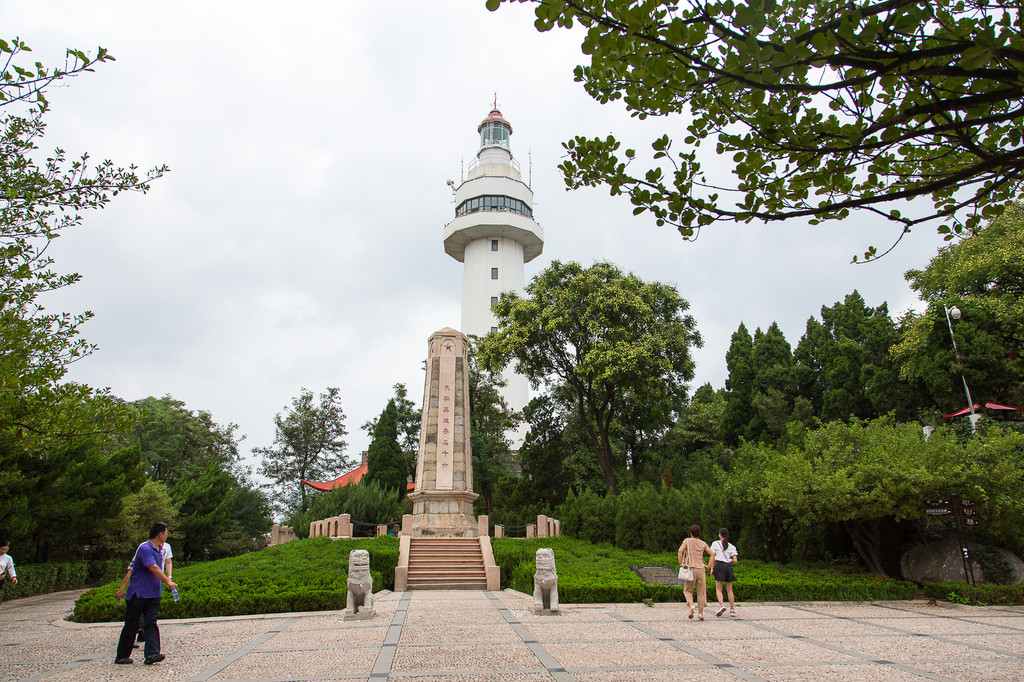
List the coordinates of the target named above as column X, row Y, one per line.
column 446, row 564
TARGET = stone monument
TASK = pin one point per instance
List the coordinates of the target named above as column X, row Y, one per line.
column 545, row 583
column 442, row 504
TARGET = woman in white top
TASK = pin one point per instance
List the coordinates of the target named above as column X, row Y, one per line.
column 721, row 567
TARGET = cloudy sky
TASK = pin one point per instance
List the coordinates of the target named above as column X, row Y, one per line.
column 297, row 240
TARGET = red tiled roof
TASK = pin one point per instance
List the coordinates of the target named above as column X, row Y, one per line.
column 352, row 477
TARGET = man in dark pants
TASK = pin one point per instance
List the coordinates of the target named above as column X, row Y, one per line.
column 143, row 598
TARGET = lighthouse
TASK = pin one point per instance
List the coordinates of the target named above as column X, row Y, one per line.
column 493, row 235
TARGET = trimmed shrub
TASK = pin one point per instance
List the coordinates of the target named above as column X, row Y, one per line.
column 305, row 575
column 602, row 574
column 986, row 594
column 44, row 578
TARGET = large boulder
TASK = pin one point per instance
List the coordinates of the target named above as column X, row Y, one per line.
column 941, row 562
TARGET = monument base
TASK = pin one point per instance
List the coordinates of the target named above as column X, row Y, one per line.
column 443, row 514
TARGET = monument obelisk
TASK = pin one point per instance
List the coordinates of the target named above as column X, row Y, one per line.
column 442, row 504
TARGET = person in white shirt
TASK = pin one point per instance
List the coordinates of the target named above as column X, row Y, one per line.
column 6, row 567
column 721, row 567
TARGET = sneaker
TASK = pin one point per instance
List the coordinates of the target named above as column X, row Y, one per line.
column 123, row 661
column 720, row 611
column 155, row 658
column 732, row 612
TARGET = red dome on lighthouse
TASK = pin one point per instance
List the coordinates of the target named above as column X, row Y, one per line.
column 494, row 117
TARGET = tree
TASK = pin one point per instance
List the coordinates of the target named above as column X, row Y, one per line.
column 37, row 204
column 308, row 444
column 739, row 404
column 490, row 418
column 408, row 418
column 984, row 277
column 860, row 474
column 598, row 334
column 385, row 463
column 825, row 107
column 178, row 443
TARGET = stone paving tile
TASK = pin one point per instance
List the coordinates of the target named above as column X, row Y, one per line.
column 976, row 671
column 324, row 638
column 631, row 654
column 566, row 615
column 42, row 652
column 769, row 612
column 428, row 634
column 1011, row 644
column 696, row 674
column 858, row 609
column 428, row 617
column 189, row 643
column 21, row 671
column 295, row 664
column 582, row 632
column 171, row 668
column 856, row 672
column 1009, row 622
column 777, row 650
column 896, row 648
column 456, row 657
column 941, row 626
column 685, row 630
column 220, row 627
column 817, row 627
column 477, row 676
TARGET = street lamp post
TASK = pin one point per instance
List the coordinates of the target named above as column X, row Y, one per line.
column 955, row 314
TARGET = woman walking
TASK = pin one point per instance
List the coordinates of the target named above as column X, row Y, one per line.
column 725, row 556
column 691, row 555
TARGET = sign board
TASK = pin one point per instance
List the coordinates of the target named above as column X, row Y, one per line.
column 974, row 523
column 938, row 512
column 966, row 503
column 968, row 512
column 936, row 503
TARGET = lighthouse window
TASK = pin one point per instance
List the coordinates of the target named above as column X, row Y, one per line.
column 494, row 245
column 494, row 273
column 494, row 203
column 494, row 133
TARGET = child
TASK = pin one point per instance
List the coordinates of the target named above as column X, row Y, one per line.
column 725, row 556
column 6, row 567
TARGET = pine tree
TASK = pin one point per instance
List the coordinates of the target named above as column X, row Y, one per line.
column 385, row 463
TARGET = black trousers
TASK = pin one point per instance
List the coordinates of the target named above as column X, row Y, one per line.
column 149, row 611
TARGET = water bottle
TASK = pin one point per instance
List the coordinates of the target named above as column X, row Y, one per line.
column 174, row 593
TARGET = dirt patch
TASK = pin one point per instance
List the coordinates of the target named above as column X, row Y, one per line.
column 658, row 575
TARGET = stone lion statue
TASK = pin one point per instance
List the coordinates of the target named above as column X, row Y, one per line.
column 545, row 582
column 360, row 584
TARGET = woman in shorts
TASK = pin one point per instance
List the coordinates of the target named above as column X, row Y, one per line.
column 721, row 567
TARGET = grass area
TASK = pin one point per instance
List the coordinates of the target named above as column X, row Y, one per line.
column 310, row 575
column 306, row 575
column 590, row 573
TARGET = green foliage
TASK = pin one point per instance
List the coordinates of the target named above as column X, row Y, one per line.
column 308, row 444
column 490, row 419
column 985, row 594
column 984, row 278
column 647, row 518
column 385, row 463
column 823, row 107
column 365, row 502
column 600, row 339
column 861, row 473
column 305, row 575
column 45, row 578
column 589, row 573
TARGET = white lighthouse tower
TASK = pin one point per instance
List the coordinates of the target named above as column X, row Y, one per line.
column 493, row 235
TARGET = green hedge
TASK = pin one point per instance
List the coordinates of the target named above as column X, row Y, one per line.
column 985, row 594
column 43, row 578
column 590, row 573
column 305, row 575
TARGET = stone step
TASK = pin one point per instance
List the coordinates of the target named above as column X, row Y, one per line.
column 447, row 585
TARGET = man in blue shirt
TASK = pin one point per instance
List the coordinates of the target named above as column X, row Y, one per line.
column 143, row 598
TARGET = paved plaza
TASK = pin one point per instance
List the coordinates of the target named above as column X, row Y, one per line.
column 494, row 637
